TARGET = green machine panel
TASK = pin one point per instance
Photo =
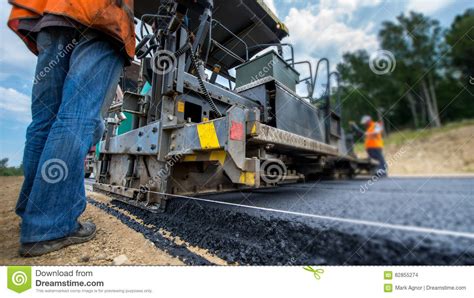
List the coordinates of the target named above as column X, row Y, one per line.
column 126, row 125
column 268, row 64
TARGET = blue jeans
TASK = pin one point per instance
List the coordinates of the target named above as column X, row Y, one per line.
column 74, row 74
column 377, row 154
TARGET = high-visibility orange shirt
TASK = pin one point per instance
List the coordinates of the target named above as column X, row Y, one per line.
column 113, row 17
column 373, row 138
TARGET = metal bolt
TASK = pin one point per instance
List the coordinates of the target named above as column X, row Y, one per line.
column 154, row 129
column 170, row 117
column 140, row 133
column 153, row 147
column 139, row 148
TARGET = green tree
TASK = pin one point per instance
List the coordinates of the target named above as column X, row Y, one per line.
column 3, row 163
column 5, row 170
column 456, row 100
column 365, row 92
column 460, row 38
column 417, row 43
column 428, row 63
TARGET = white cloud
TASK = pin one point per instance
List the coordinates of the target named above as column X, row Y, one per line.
column 323, row 32
column 14, row 105
column 427, row 6
column 347, row 6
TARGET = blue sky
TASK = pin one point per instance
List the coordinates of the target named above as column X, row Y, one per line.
column 324, row 28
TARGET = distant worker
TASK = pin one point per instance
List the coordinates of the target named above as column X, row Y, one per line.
column 373, row 142
column 82, row 47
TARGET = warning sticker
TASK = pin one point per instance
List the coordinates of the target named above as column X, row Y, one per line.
column 236, row 131
column 180, row 107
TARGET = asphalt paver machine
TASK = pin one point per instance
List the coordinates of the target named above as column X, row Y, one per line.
column 216, row 108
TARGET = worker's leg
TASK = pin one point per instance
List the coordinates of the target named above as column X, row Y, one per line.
column 51, row 69
column 384, row 163
column 57, row 197
column 377, row 154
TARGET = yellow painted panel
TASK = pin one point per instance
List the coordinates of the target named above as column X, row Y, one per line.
column 253, row 131
column 180, row 106
column 218, row 155
column 190, row 157
column 207, row 135
column 247, row 178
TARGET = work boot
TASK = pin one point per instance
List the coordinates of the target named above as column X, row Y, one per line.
column 85, row 233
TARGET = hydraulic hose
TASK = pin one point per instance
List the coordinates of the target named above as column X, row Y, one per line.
column 207, row 96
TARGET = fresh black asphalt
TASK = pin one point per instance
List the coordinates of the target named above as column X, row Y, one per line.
column 253, row 236
column 439, row 203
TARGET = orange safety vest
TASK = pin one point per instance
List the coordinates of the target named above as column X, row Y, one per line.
column 375, row 140
column 113, row 17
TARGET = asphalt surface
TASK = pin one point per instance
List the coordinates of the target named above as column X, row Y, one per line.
column 438, row 203
column 391, row 221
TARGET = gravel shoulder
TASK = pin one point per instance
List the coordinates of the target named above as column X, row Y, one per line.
column 114, row 240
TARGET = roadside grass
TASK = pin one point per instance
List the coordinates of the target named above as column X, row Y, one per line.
column 399, row 138
column 11, row 171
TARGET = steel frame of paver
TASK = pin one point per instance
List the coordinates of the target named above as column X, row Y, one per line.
column 192, row 135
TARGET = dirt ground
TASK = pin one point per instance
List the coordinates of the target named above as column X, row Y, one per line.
column 114, row 240
column 444, row 152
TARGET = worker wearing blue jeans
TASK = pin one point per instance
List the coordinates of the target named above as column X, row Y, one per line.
column 75, row 72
